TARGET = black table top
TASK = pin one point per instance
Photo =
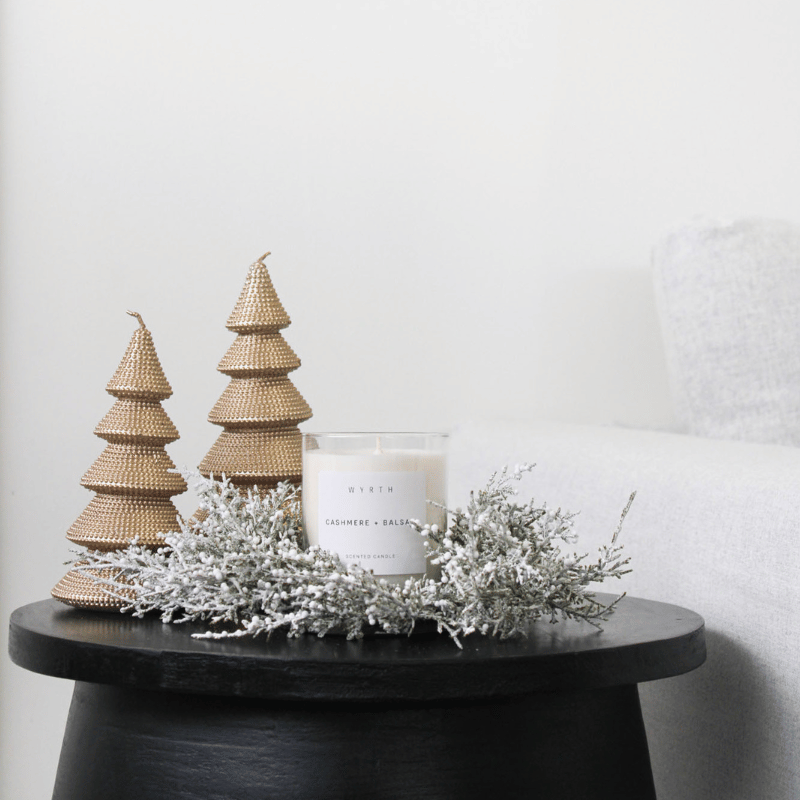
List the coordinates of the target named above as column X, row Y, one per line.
column 643, row 640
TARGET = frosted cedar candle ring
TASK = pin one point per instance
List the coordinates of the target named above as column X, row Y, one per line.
column 360, row 490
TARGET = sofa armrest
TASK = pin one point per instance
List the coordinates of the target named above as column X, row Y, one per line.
column 714, row 527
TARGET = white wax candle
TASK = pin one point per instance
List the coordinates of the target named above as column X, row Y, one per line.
column 357, row 499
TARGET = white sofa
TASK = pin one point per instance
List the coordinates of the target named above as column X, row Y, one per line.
column 715, row 527
column 716, row 523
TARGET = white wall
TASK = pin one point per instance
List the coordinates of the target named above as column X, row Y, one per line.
column 460, row 199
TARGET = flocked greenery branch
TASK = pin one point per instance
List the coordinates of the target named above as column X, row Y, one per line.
column 244, row 570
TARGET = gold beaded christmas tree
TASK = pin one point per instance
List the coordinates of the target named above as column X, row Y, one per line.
column 133, row 477
column 259, row 411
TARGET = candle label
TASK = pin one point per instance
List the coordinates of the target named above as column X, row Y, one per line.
column 363, row 516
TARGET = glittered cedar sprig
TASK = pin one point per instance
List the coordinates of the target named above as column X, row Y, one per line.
column 245, row 571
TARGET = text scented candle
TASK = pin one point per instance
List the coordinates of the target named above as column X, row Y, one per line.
column 361, row 489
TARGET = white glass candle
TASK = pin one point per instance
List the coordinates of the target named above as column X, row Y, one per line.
column 360, row 490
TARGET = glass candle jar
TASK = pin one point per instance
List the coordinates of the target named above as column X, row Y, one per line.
column 360, row 490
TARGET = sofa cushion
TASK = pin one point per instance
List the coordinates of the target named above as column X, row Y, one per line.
column 728, row 298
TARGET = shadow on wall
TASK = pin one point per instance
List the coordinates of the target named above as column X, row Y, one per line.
column 709, row 732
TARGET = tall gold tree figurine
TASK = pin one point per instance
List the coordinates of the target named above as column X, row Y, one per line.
column 259, row 411
column 134, row 478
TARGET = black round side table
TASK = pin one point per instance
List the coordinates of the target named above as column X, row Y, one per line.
column 157, row 714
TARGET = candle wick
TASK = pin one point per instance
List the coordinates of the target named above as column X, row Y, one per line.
column 378, row 449
column 138, row 316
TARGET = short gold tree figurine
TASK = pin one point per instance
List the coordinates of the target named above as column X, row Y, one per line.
column 133, row 477
column 259, row 411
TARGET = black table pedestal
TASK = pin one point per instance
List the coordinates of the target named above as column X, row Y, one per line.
column 133, row 744
column 160, row 715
